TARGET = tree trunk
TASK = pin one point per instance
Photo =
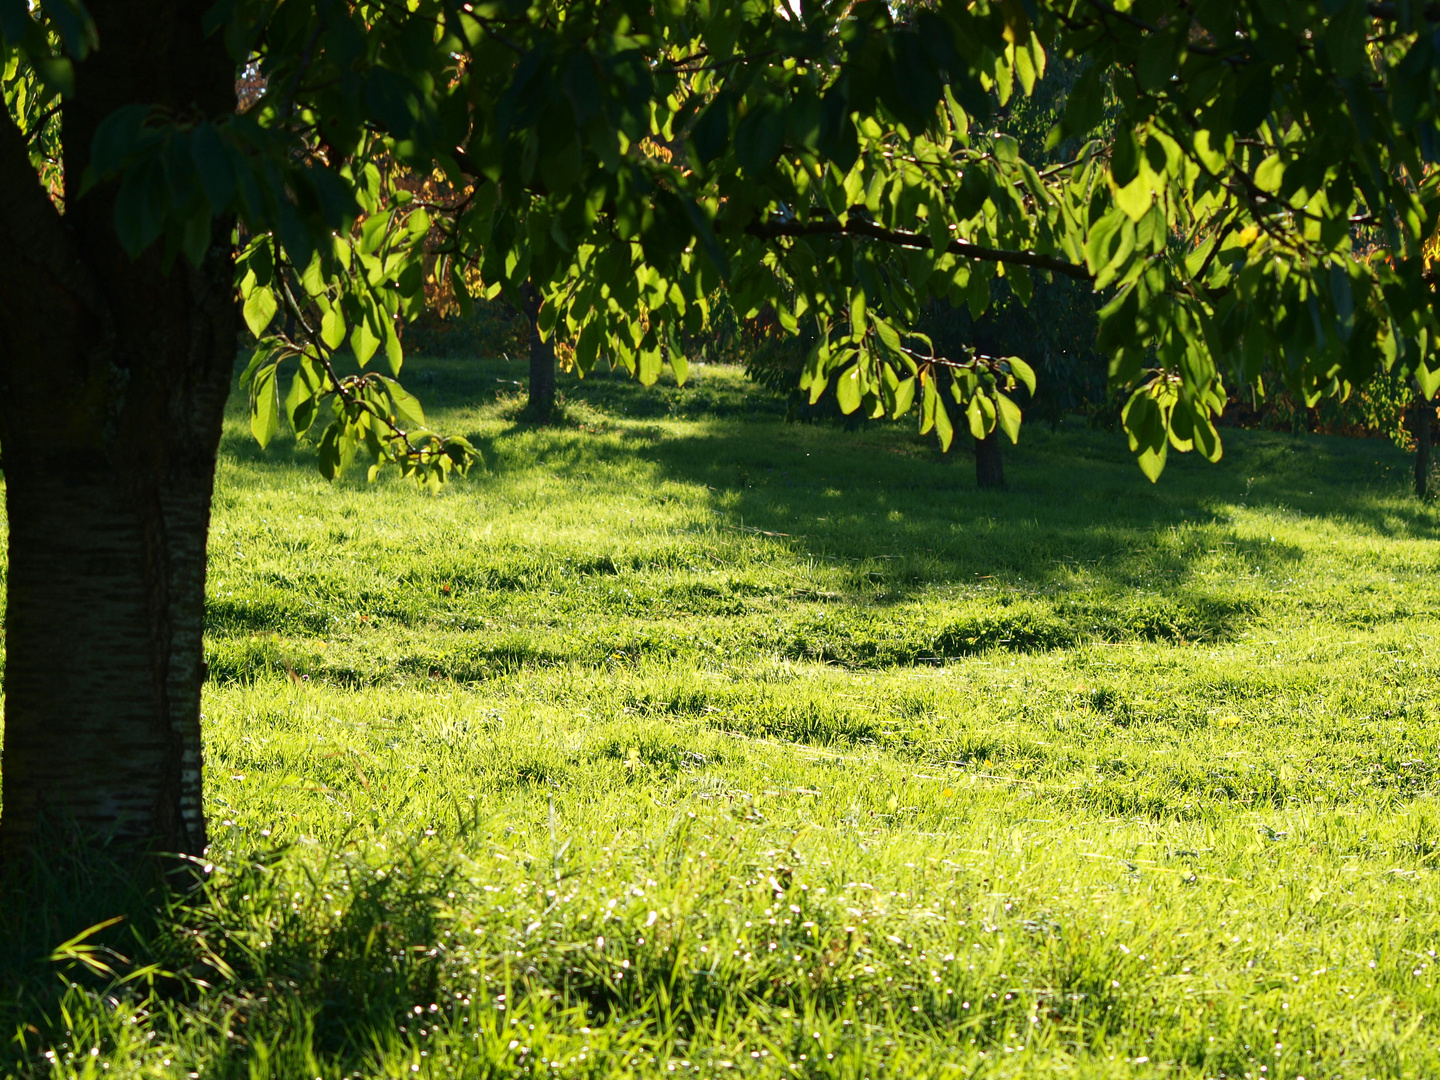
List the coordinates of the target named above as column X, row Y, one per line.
column 989, row 463
column 115, row 374
column 542, row 360
column 1420, row 426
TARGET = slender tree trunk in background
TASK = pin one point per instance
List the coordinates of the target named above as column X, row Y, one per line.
column 1420, row 428
column 542, row 360
column 115, row 375
column 989, row 462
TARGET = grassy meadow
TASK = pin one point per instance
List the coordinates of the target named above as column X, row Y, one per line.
column 679, row 740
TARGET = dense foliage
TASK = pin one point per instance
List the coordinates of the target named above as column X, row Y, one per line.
column 1251, row 189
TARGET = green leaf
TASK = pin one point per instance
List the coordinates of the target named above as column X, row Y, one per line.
column 312, row 281
column 847, row 390
column 1152, row 462
column 1085, row 104
column 116, row 137
column 1025, row 69
column 759, row 137
column 1124, row 158
column 259, row 310
column 711, row 134
column 265, row 406
column 1182, row 426
column 904, row 397
column 887, row 333
column 408, row 411
column 394, row 354
column 680, row 366
column 303, row 400
column 265, row 353
column 1343, row 297
column 332, row 327
column 1270, row 173
column 1021, row 284
column 1207, row 439
column 857, row 313
column 1008, row 416
column 1212, row 156
column 1097, row 252
column 1197, row 258
column 327, row 454
column 587, row 349
column 141, row 204
column 1120, row 259
column 1136, row 197
column 195, row 234
column 944, row 428
column 1428, row 381
column 976, row 417
column 364, row 341
column 1022, row 371
column 958, row 116
column 1156, row 61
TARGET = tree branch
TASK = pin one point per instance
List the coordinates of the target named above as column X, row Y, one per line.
column 467, row 164
column 41, row 121
column 770, row 230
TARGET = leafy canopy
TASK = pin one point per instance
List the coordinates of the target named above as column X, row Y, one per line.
column 1251, row 187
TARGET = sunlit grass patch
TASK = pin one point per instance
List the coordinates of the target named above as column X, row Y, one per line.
column 681, row 741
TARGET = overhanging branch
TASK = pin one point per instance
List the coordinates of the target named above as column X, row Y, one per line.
column 771, row 230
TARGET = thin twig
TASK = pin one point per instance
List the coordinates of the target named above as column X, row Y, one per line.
column 769, row 230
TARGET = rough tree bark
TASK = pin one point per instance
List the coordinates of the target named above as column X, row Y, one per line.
column 114, row 374
column 989, row 461
column 542, row 360
column 1420, row 428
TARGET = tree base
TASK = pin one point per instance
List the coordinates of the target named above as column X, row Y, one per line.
column 989, row 462
column 543, row 374
column 1420, row 428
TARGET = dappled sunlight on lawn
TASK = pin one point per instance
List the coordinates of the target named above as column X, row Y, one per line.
column 678, row 739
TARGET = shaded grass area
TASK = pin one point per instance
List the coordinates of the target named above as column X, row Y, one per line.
column 678, row 740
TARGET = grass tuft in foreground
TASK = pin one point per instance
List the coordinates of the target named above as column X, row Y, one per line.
column 682, row 741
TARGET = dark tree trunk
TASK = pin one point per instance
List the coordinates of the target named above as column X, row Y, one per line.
column 114, row 376
column 1420, row 428
column 989, row 463
column 542, row 360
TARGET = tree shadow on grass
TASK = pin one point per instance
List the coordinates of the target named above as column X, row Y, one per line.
column 1070, row 474
column 830, row 496
column 1081, row 546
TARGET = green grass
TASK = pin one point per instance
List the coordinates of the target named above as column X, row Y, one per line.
column 679, row 740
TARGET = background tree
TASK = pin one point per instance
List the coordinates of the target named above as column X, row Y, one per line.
column 543, row 367
column 839, row 168
column 1421, row 413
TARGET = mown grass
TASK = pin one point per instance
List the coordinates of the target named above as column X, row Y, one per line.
column 679, row 740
